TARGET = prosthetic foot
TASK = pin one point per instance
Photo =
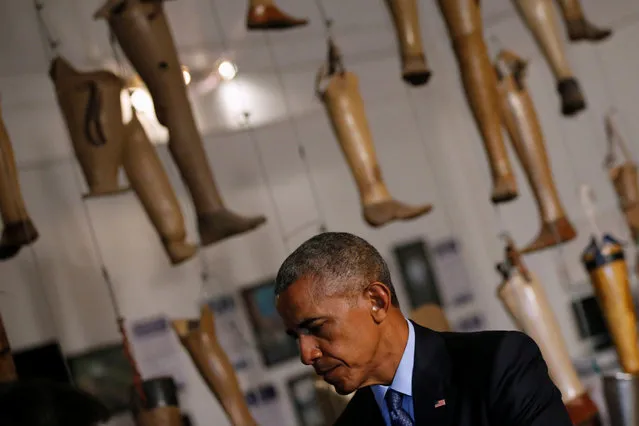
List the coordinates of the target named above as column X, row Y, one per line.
column 160, row 406
column 577, row 26
column 524, row 298
column 143, row 33
column 152, row 186
column 605, row 262
column 415, row 69
column 345, row 109
column 524, row 130
column 463, row 20
column 90, row 104
column 541, row 19
column 265, row 15
column 18, row 229
column 199, row 339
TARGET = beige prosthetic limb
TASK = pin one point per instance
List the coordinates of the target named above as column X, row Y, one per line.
column 520, row 119
column 152, row 186
column 605, row 262
column 541, row 19
column 91, row 106
column 345, row 109
column 265, row 15
column 463, row 19
column 415, row 69
column 160, row 407
column 143, row 33
column 525, row 300
column 431, row 316
column 18, row 228
column 200, row 340
column 577, row 26
column 8, row 371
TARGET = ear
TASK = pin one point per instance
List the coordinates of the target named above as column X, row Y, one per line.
column 379, row 297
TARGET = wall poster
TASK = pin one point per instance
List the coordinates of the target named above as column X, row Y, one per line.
column 304, row 399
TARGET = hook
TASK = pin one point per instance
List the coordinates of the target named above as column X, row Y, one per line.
column 588, row 202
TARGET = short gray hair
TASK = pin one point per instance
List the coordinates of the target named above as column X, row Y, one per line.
column 339, row 260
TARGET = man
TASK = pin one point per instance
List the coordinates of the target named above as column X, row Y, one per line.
column 337, row 299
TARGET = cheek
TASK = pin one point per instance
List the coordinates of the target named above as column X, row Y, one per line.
column 355, row 346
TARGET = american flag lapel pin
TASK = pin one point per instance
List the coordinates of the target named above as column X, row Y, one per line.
column 440, row 403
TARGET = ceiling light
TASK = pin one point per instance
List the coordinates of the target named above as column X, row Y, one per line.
column 227, row 70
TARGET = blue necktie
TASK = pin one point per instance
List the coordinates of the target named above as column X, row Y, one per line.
column 398, row 416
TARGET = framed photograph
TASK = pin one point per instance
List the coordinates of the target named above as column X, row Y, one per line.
column 417, row 272
column 106, row 374
column 304, row 398
column 591, row 323
column 274, row 345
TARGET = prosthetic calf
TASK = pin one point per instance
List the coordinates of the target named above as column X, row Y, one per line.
column 405, row 13
column 463, row 20
column 541, row 19
column 525, row 300
column 18, row 228
column 345, row 108
column 8, row 371
column 520, row 119
column 200, row 340
column 265, row 15
column 152, row 186
column 91, row 107
column 143, row 33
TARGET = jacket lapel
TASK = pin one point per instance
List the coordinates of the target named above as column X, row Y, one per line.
column 434, row 396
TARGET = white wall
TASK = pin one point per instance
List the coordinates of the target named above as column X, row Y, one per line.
column 427, row 144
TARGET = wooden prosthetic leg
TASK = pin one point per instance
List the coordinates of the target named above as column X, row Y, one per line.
column 463, row 19
column 160, row 407
column 432, row 316
column 525, row 300
column 143, row 33
column 520, row 119
column 199, row 339
column 415, row 69
column 91, row 106
column 8, row 371
column 152, row 186
column 577, row 26
column 18, row 228
column 605, row 263
column 265, row 15
column 345, row 108
column 541, row 19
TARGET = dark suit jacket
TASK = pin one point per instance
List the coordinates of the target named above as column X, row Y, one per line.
column 489, row 378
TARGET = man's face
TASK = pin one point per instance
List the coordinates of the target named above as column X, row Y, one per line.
column 336, row 334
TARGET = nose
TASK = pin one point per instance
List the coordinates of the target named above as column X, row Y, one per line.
column 309, row 351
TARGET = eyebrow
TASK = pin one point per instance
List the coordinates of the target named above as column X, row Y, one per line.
column 303, row 324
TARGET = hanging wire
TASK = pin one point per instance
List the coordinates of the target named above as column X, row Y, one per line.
column 328, row 22
column 50, row 43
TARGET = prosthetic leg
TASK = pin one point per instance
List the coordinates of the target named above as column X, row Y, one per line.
column 18, row 228
column 144, row 35
column 520, row 119
column 7, row 367
column 90, row 104
column 541, row 19
column 160, row 407
column 415, row 70
column 577, row 26
column 463, row 19
column 432, row 316
column 525, row 300
column 152, row 186
column 200, row 340
column 605, row 263
column 265, row 15
column 345, row 109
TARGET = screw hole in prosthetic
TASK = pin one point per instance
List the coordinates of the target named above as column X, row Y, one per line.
column 163, row 65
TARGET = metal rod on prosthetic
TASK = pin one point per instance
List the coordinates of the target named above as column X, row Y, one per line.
column 152, row 186
column 345, row 108
column 463, row 20
column 520, row 119
column 405, row 14
column 18, row 228
column 524, row 298
column 541, row 19
column 577, row 26
column 200, row 340
column 161, row 407
column 91, row 106
column 143, row 32
column 266, row 15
